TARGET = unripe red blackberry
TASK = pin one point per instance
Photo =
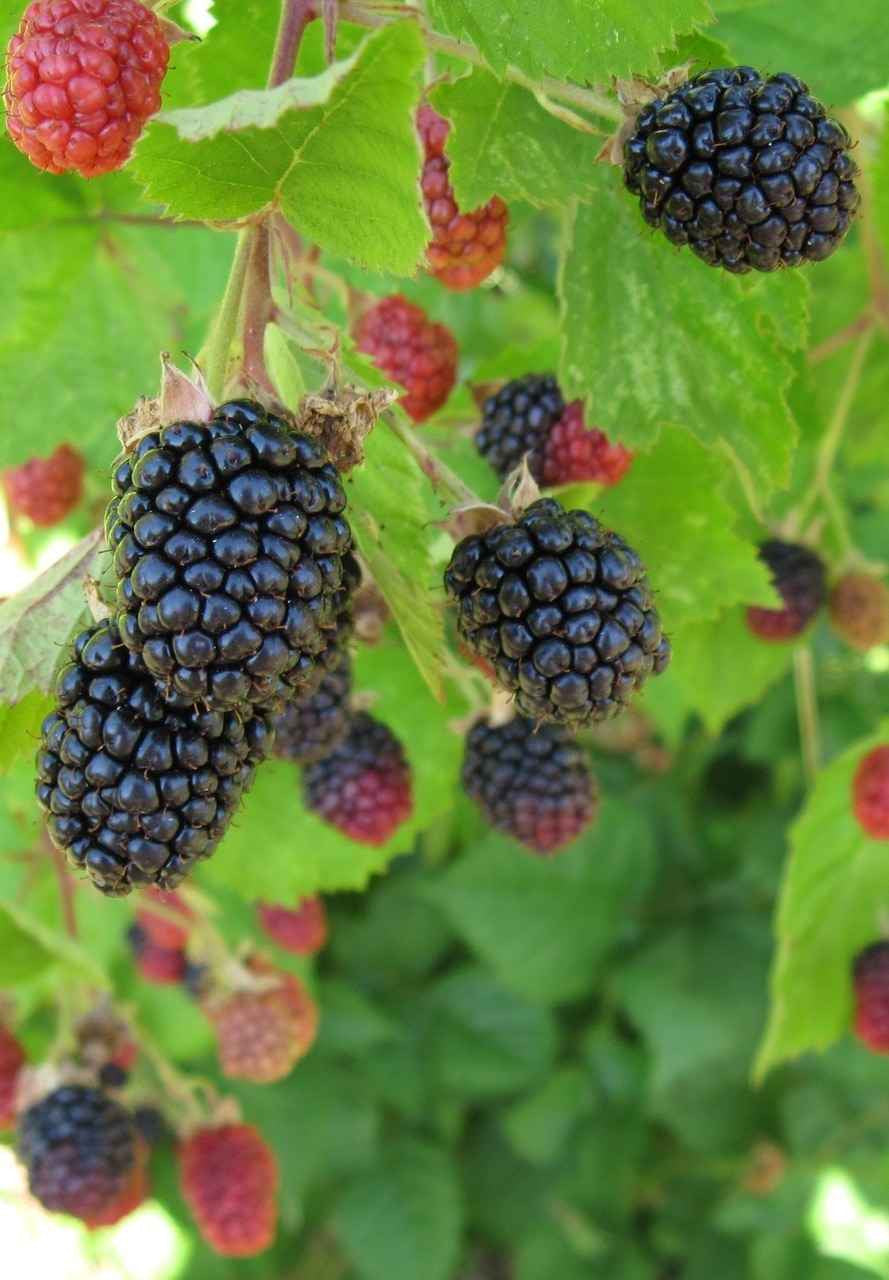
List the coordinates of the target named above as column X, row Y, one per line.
column 870, row 793
column 136, row 789
column 79, row 1147
column 164, row 930
column 301, row 929
column 163, row 966
column 747, row 170
column 411, row 350
column 230, row 1183
column 859, row 610
column 364, row 786
column 517, row 420
column 311, row 726
column 531, row 783
column 233, row 557
column 261, row 1035
column 870, row 981
column 562, row 609
column 799, row 578
column 46, row 490
column 465, row 247
column 83, row 77
column 12, row 1059
column 574, row 453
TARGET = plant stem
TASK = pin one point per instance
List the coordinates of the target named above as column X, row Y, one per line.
column 66, row 889
column 295, row 17
column 807, row 711
column 214, row 356
column 842, row 338
column 586, row 99
column 258, row 309
column 449, row 487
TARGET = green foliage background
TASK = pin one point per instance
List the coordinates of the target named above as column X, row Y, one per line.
column 525, row 1070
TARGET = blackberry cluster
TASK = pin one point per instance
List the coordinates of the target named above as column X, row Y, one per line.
column 517, row 420
column 79, row 1147
column 136, row 788
column 799, row 578
column 233, row 557
column 749, row 171
column 312, row 726
column 364, row 786
column 531, row 783
column 562, row 609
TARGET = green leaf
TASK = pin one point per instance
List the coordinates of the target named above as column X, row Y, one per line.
column 403, row 1219
column 392, row 513
column 235, row 54
column 641, row 320
column 703, row 566
column 545, row 926
column 835, row 887
column 299, row 854
column 571, row 39
column 351, row 1024
column 20, row 727
column 36, row 621
column 283, row 366
column 343, row 172
column 21, row 955
column 504, row 143
column 841, row 52
column 538, row 1126
column 721, row 667
column 880, row 179
column 485, row 1041
column 33, row 943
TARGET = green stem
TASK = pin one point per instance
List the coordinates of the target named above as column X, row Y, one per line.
column 807, row 711
column 446, row 483
column 214, row 356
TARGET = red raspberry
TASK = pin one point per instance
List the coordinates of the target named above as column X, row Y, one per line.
column 364, row 786
column 303, row 930
column 465, row 247
column 859, row 610
column 12, row 1059
column 798, row 575
column 574, row 453
column 132, row 1195
column 870, row 793
column 83, row 76
column 46, row 489
column 160, row 929
column 263, row 1034
column 411, row 350
column 230, row 1181
column 870, row 976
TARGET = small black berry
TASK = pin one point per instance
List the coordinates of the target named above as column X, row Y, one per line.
column 517, row 421
column 311, row 726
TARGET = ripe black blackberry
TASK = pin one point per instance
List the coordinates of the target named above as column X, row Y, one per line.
column 531, row 783
column 562, row 610
column 137, row 789
column 311, row 726
column 517, row 420
column 799, row 576
column 78, row 1147
column 748, row 170
column 363, row 787
column 232, row 555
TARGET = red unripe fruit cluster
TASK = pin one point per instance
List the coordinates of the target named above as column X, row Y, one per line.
column 230, row 1182
column 411, row 350
column 83, row 77
column 46, row 490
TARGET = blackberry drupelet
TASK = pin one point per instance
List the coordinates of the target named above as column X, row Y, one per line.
column 364, row 786
column 747, row 170
column 78, row 1147
column 799, row 578
column 517, row 420
column 533, row 784
column 310, row 727
column 137, row 789
column 562, row 609
column 233, row 557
